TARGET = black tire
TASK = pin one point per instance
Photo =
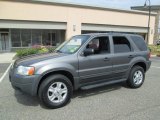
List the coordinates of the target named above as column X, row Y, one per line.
column 43, row 90
column 130, row 81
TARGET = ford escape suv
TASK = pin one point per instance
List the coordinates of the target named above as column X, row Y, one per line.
column 85, row 61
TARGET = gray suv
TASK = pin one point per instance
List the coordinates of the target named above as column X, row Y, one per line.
column 85, row 61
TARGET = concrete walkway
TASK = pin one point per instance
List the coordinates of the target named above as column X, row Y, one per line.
column 7, row 57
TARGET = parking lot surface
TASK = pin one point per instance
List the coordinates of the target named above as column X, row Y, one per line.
column 3, row 67
column 114, row 102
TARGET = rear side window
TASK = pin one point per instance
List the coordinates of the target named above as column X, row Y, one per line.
column 121, row 44
column 139, row 42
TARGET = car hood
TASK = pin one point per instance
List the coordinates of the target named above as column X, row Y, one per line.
column 32, row 59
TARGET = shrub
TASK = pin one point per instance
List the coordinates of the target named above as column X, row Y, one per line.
column 155, row 49
column 50, row 49
column 43, row 50
column 25, row 52
column 158, row 51
column 36, row 49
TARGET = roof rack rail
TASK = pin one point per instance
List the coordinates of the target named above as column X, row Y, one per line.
column 102, row 32
column 121, row 32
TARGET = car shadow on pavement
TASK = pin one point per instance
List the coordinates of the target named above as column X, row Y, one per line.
column 28, row 100
column 96, row 91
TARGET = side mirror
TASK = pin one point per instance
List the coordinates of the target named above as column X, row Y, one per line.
column 88, row 51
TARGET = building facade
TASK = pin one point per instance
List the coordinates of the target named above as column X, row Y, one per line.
column 25, row 24
column 157, row 26
column 153, row 8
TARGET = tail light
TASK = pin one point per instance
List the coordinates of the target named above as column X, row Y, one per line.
column 149, row 55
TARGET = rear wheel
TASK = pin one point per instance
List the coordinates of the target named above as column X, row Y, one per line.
column 55, row 91
column 136, row 77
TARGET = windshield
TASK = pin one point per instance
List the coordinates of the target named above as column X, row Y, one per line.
column 72, row 45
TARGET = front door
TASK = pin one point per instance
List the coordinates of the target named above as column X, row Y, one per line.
column 97, row 67
column 4, row 42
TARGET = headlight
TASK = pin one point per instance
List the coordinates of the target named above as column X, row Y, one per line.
column 22, row 70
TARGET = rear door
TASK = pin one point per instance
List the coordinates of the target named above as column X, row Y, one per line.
column 123, row 54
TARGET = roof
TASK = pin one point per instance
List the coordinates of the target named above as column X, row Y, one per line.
column 153, row 8
column 74, row 4
column 111, row 33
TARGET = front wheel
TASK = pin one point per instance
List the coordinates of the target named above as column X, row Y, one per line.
column 136, row 77
column 55, row 91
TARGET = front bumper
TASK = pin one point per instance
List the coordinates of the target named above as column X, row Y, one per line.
column 27, row 84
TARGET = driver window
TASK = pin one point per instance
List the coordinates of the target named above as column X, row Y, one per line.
column 100, row 45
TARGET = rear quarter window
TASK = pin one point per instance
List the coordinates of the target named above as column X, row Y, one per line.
column 139, row 42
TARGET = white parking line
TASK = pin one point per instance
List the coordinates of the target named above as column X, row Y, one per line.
column 155, row 67
column 5, row 73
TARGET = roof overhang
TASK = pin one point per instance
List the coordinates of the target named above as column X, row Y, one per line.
column 80, row 5
column 154, row 8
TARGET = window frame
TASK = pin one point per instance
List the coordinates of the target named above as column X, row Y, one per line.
column 127, row 38
column 90, row 39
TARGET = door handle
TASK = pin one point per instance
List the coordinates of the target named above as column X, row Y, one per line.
column 130, row 56
column 106, row 59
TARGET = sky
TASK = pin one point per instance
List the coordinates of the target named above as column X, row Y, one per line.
column 123, row 4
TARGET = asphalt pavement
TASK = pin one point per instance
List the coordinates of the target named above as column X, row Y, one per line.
column 3, row 68
column 114, row 102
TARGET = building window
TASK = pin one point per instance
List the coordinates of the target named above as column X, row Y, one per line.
column 46, row 38
column 15, row 37
column 36, row 37
column 26, row 38
column 53, row 39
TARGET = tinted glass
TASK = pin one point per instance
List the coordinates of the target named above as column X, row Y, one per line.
column 139, row 42
column 121, row 44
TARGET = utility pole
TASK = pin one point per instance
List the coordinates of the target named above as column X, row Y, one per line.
column 149, row 17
